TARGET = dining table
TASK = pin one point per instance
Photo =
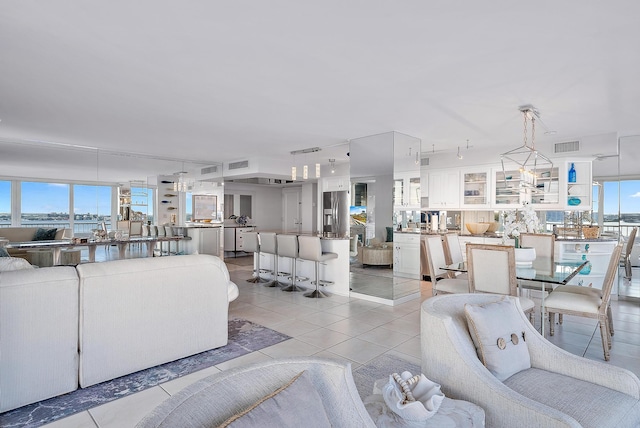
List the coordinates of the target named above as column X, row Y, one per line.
column 544, row 270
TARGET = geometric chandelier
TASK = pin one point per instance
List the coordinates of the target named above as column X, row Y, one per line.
column 526, row 157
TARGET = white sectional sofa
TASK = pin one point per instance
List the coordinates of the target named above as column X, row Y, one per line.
column 63, row 327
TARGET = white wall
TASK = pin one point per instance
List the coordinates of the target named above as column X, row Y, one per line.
column 266, row 203
column 308, row 209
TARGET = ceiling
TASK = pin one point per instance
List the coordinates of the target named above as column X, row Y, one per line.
column 218, row 81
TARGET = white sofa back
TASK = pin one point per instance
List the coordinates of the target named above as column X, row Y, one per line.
column 38, row 335
column 139, row 313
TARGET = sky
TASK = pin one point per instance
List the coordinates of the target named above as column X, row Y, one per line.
column 54, row 197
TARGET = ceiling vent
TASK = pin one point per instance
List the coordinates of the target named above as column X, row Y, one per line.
column 569, row 146
column 239, row 165
column 209, row 170
column 424, row 161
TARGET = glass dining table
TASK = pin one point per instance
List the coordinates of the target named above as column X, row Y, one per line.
column 544, row 270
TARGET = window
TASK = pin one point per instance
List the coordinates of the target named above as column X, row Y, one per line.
column 45, row 204
column 91, row 206
column 5, row 203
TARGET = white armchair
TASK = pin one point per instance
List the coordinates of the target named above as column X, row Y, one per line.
column 559, row 390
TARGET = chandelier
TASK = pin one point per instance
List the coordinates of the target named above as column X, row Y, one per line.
column 527, row 158
column 305, row 168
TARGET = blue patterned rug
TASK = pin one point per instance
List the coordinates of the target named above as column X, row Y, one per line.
column 244, row 337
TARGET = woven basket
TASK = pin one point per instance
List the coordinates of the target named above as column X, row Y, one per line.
column 591, row 232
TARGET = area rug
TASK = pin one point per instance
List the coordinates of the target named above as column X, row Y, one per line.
column 244, row 337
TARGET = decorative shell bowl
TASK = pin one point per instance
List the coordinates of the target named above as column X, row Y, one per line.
column 477, row 228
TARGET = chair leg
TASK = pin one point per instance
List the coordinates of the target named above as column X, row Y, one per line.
column 610, row 316
column 552, row 321
column 257, row 278
column 294, row 278
column 627, row 267
column 604, row 331
column 317, row 294
column 560, row 319
column 274, row 281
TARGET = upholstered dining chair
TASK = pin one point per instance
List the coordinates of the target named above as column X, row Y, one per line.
column 453, row 252
column 492, row 269
column 441, row 280
column 626, row 258
column 544, row 244
column 590, row 305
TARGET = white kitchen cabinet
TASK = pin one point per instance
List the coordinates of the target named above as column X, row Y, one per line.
column 546, row 192
column 334, row 184
column 597, row 252
column 444, row 189
column 406, row 191
column 475, row 188
column 406, row 255
column 233, row 237
column 204, row 240
column 508, row 190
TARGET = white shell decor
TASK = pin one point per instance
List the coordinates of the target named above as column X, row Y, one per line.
column 414, row 398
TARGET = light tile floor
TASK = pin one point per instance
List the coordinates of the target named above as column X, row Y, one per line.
column 356, row 331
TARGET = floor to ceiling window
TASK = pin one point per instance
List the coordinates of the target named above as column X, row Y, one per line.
column 44, row 204
column 91, row 207
column 5, row 203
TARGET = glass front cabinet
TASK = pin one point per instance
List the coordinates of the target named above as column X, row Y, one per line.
column 476, row 189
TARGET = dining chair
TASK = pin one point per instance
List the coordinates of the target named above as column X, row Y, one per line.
column 626, row 258
column 544, row 244
column 589, row 305
column 453, row 252
column 441, row 280
column 492, row 269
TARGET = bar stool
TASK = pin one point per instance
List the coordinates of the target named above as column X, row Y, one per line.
column 160, row 233
column 269, row 245
column 287, row 246
column 251, row 244
column 311, row 249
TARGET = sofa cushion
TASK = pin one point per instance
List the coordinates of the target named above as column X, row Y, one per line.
column 498, row 334
column 45, row 234
column 13, row 263
column 283, row 408
column 590, row 404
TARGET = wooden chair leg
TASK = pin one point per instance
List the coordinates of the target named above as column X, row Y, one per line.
column 610, row 316
column 605, row 342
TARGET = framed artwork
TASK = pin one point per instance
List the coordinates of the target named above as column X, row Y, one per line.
column 204, row 207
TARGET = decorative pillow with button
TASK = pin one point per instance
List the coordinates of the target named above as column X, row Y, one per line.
column 497, row 331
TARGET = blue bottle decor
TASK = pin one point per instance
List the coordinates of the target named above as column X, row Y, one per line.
column 572, row 174
column 587, row 269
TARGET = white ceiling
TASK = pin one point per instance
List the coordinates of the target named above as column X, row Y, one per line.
column 225, row 80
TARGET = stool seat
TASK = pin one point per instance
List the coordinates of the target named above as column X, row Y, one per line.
column 269, row 245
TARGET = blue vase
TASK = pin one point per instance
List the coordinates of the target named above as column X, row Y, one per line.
column 572, row 174
column 587, row 269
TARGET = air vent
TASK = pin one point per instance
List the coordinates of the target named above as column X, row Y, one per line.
column 239, row 165
column 209, row 170
column 424, row 161
column 569, row 146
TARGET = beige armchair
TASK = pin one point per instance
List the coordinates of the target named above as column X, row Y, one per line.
column 559, row 390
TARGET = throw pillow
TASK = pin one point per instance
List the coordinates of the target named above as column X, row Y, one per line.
column 497, row 331
column 389, row 234
column 295, row 404
column 45, row 234
column 13, row 263
column 3, row 252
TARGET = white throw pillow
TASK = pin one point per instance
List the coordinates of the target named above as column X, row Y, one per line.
column 497, row 331
column 13, row 263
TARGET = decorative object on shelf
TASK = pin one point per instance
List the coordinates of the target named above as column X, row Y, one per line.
column 573, row 201
column 572, row 173
column 587, row 269
column 524, row 221
column 527, row 157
